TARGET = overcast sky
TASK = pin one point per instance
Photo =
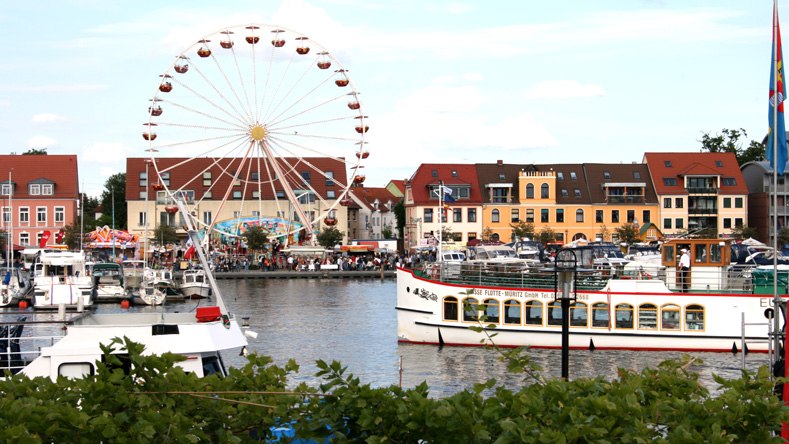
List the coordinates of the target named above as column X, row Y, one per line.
column 446, row 82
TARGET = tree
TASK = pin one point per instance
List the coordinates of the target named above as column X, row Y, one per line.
column 627, row 233
column 446, row 234
column 487, row 234
column 783, row 236
column 329, row 237
column 35, row 152
column 256, row 238
column 73, row 236
column 605, row 233
column 741, row 232
column 729, row 142
column 546, row 235
column 399, row 211
column 114, row 193
column 164, row 234
column 386, row 232
column 522, row 229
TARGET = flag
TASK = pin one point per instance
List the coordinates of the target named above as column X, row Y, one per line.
column 448, row 195
column 776, row 154
column 190, row 249
column 42, row 243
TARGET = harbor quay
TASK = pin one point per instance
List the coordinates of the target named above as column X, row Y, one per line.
column 289, row 274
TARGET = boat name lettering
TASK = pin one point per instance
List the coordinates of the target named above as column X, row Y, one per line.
column 548, row 295
column 424, row 294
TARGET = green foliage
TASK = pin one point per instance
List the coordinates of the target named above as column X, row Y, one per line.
column 256, row 238
column 729, row 141
column 386, row 232
column 72, row 236
column 329, row 237
column 523, row 229
column 399, row 211
column 157, row 402
column 546, row 235
column 627, row 233
column 164, row 234
column 35, row 152
column 741, row 232
column 114, row 197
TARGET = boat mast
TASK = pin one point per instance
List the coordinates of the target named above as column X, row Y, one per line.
column 10, row 238
column 440, row 219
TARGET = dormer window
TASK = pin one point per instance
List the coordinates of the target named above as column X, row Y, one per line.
column 454, row 173
column 47, row 189
column 606, row 175
column 560, row 175
column 34, row 189
column 636, row 175
column 719, row 163
column 667, row 163
column 6, row 189
column 573, row 176
column 501, row 177
column 434, row 173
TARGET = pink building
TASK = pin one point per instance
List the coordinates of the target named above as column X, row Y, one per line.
column 38, row 194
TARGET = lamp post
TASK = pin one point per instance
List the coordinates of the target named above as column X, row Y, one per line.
column 565, row 266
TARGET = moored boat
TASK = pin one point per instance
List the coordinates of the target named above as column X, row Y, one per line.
column 60, row 279
column 108, row 283
column 194, row 284
column 611, row 311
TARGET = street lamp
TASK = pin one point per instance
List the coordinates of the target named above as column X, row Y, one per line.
column 565, row 266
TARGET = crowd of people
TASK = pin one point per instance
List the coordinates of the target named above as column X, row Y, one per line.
column 330, row 261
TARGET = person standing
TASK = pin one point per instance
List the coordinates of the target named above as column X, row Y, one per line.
column 684, row 269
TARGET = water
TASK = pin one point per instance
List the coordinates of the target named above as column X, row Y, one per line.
column 355, row 322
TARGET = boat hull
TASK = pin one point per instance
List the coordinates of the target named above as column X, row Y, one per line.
column 706, row 321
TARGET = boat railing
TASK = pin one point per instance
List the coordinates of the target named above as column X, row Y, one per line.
column 732, row 279
column 23, row 334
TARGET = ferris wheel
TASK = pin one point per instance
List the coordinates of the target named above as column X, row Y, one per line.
column 257, row 124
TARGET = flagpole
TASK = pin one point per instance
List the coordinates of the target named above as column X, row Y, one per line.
column 440, row 219
column 775, row 104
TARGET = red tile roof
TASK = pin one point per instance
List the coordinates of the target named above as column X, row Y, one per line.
column 431, row 173
column 678, row 165
column 59, row 168
column 368, row 195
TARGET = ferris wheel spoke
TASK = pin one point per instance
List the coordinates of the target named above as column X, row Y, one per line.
column 275, row 119
column 213, row 103
column 241, row 114
column 237, row 124
column 282, row 145
column 273, row 102
column 203, row 154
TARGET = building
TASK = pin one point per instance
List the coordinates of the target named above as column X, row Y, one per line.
column 374, row 213
column 758, row 178
column 40, row 195
column 220, row 194
column 698, row 191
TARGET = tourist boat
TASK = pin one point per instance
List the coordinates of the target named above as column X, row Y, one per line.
column 108, row 284
column 59, row 278
column 194, row 284
column 724, row 309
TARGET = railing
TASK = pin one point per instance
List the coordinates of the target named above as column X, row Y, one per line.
column 21, row 339
column 625, row 199
column 702, row 210
column 702, row 190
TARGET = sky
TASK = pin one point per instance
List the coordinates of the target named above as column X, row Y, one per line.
column 522, row 81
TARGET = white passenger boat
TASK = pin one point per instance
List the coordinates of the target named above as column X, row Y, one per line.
column 722, row 306
column 59, row 278
column 194, row 284
column 108, row 282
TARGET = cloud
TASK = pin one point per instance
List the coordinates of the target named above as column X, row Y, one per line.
column 41, row 142
column 48, row 118
column 77, row 87
column 442, row 99
column 564, row 89
column 105, row 153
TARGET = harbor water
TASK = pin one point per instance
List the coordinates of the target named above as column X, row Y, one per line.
column 354, row 321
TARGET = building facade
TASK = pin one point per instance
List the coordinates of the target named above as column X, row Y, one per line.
column 40, row 195
column 762, row 213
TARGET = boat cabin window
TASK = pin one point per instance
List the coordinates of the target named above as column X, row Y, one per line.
column 624, row 316
column 700, row 254
column 512, row 312
column 670, row 317
column 716, row 253
column 555, row 313
column 578, row 314
column 533, row 313
column 470, row 310
column 669, row 255
column 600, row 316
column 491, row 307
column 647, row 316
column 450, row 308
column 694, row 317
column 212, row 366
column 76, row 370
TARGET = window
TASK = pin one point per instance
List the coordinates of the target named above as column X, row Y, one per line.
column 494, row 216
column 143, row 195
column 578, row 314
column 729, row 182
column 450, row 308
column 573, row 176
column 560, row 175
column 631, row 216
column 666, row 223
column 143, row 179
column 47, row 189
column 41, row 215
column 666, row 202
column 34, row 189
column 330, row 194
column 738, row 202
column 470, row 310
column 544, row 191
column 60, row 215
column 727, row 202
column 141, row 219
column 670, row 181
column 24, row 239
column 208, row 217
column 329, row 178
column 434, row 173
column 738, row 222
column 554, row 313
column 636, row 174
column 726, row 223
column 667, row 163
column 471, row 215
column 530, row 215
column 24, row 215
column 6, row 216
column 670, row 317
column 454, row 173
column 719, row 163
column 166, row 218
column 5, row 189
column 529, row 191
column 457, row 215
column 491, row 309
column 564, row 193
column 236, row 194
column 207, row 179
column 499, row 195
column 606, row 175
column 305, row 175
column 237, row 214
column 544, row 215
column 694, row 317
column 208, row 195
column 679, row 223
column 646, row 217
column 533, row 312
column 600, row 317
column 577, row 193
column 165, row 177
column 502, row 178
column 514, row 215
column 579, row 215
column 428, row 216
column 598, row 216
column 512, row 312
column 679, row 202
column 647, row 316
column 559, row 215
column 615, row 216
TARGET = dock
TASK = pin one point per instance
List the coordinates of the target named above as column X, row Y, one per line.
column 320, row 274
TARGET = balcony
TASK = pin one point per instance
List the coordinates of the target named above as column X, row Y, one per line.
column 702, row 190
column 699, row 210
column 636, row 199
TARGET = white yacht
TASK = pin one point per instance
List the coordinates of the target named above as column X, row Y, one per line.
column 194, row 284
column 59, row 278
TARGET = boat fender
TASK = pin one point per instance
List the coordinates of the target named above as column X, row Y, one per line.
column 591, row 344
column 745, row 348
column 440, row 339
column 734, row 348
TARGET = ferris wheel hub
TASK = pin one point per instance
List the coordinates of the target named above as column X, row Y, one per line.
column 258, row 132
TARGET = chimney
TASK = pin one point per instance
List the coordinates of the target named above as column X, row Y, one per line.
column 500, row 163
